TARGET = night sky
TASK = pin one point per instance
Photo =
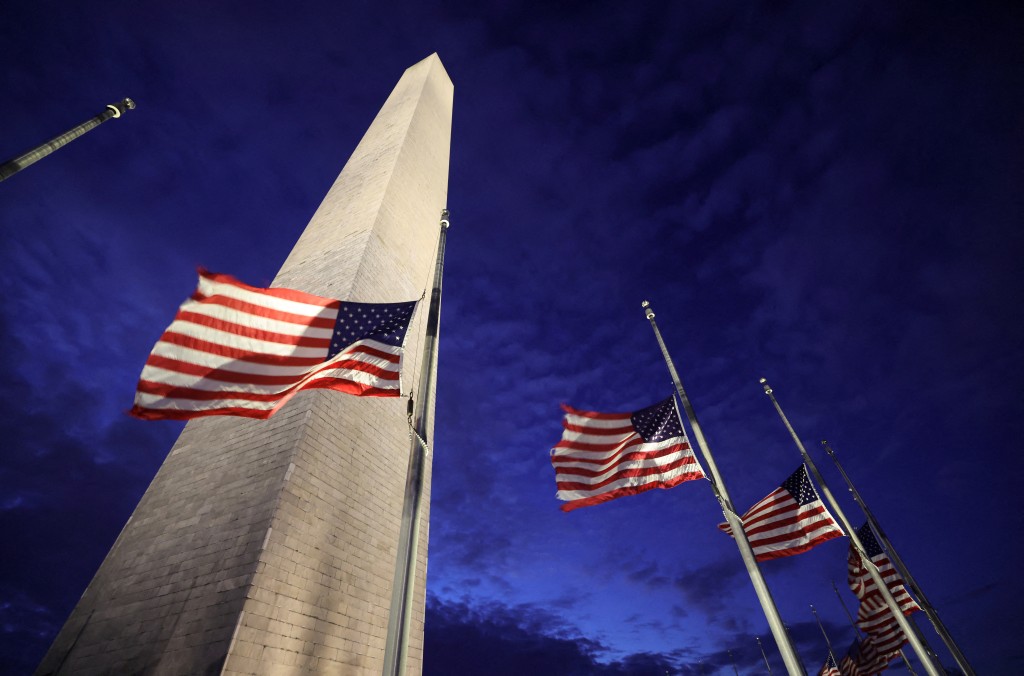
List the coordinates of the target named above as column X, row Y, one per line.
column 830, row 196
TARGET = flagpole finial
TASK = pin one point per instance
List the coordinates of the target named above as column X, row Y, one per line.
column 647, row 309
column 444, row 218
column 767, row 387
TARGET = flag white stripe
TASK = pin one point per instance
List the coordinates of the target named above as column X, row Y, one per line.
column 599, row 423
column 576, row 438
column 162, row 403
column 208, row 287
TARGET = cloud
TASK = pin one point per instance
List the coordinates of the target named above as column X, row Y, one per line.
column 496, row 639
column 704, row 586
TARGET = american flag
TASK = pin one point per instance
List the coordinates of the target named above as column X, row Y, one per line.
column 603, row 456
column 862, row 659
column 234, row 349
column 874, row 616
column 829, row 668
column 791, row 520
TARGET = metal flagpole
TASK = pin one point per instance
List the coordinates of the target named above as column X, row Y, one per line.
column 827, row 642
column 856, row 629
column 11, row 167
column 883, row 588
column 396, row 648
column 929, row 609
column 763, row 654
column 831, row 652
column 732, row 661
column 789, row 656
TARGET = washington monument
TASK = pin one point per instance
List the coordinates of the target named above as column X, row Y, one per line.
column 270, row 547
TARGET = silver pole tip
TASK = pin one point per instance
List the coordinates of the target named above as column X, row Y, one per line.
column 645, row 304
column 763, row 381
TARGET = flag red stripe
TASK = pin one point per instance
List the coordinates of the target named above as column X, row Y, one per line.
column 793, row 518
column 189, row 368
column 604, row 465
column 250, row 332
column 795, row 549
column 800, row 535
column 580, row 446
column 629, row 490
column 338, row 384
column 228, row 376
column 179, row 392
column 595, row 415
column 286, row 294
column 235, row 353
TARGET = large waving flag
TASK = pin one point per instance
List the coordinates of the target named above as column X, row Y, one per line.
column 603, row 456
column 791, row 520
column 874, row 616
column 234, row 349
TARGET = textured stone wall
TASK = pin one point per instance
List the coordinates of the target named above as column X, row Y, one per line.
column 269, row 547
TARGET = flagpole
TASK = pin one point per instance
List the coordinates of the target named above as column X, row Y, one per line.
column 856, row 629
column 818, row 619
column 763, row 654
column 13, row 166
column 396, row 647
column 929, row 609
column 883, row 588
column 789, row 656
column 831, row 653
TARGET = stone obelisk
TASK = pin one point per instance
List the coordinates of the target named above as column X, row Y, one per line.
column 269, row 547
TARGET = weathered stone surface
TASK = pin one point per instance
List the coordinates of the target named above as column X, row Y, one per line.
column 269, row 547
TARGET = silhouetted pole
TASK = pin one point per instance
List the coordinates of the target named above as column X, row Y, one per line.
column 883, row 589
column 763, row 654
column 926, row 605
column 11, row 167
column 820, row 626
column 771, row 613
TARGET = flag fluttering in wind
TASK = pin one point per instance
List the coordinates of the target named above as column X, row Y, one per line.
column 603, row 456
column 829, row 668
column 874, row 616
column 234, row 349
column 862, row 659
column 791, row 520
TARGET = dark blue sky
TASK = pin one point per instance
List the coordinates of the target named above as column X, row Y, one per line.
column 827, row 196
